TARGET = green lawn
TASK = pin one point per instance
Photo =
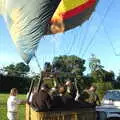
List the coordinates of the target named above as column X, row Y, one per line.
column 3, row 107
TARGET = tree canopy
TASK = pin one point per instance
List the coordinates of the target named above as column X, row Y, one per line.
column 19, row 69
column 69, row 64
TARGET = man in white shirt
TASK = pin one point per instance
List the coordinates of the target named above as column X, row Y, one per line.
column 12, row 105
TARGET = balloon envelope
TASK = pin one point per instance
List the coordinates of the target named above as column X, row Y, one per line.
column 29, row 20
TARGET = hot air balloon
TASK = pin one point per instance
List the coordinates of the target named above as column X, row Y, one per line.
column 29, row 20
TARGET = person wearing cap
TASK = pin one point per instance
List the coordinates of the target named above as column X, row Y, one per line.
column 41, row 101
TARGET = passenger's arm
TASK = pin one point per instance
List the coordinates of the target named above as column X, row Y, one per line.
column 18, row 101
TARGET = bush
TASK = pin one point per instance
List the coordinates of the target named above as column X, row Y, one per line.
column 8, row 82
column 102, row 87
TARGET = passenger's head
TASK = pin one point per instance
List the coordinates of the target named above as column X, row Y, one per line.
column 13, row 92
column 68, row 83
column 88, row 87
column 53, row 91
column 62, row 90
column 45, row 87
column 34, row 90
column 93, row 88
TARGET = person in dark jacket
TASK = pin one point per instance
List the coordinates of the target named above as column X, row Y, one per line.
column 56, row 101
column 41, row 100
column 67, row 100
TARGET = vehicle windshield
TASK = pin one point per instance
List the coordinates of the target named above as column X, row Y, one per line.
column 112, row 95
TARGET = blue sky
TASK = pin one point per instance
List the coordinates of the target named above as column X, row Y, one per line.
column 75, row 41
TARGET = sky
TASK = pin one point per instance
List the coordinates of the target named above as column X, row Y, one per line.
column 100, row 35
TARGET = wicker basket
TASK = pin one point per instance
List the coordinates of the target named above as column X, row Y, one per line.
column 82, row 114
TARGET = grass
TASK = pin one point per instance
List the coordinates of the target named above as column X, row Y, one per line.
column 3, row 107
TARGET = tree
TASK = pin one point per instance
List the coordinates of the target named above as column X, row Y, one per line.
column 118, row 78
column 69, row 64
column 19, row 69
column 117, row 82
column 10, row 69
column 102, row 87
column 109, row 76
column 97, row 70
column 69, row 67
column 103, row 75
column 95, row 63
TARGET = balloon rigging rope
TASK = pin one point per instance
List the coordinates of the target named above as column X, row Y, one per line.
column 98, row 28
column 84, row 37
column 38, row 64
column 109, row 39
column 111, row 43
column 72, row 44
